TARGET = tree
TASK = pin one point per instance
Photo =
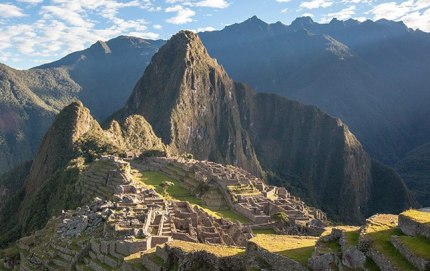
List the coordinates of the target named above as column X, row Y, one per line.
column 165, row 185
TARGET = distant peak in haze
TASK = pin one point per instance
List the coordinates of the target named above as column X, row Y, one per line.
column 254, row 20
column 100, row 47
column 302, row 21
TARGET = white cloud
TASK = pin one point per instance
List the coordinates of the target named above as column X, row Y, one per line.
column 391, row 10
column 10, row 11
column 208, row 28
column 415, row 14
column 418, row 20
column 285, row 10
column 357, row 1
column 213, row 4
column 65, row 26
column 157, row 26
column 283, row 1
column 183, row 15
column 316, row 4
column 343, row 14
column 307, row 15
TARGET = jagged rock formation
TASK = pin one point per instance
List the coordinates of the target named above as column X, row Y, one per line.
column 194, row 107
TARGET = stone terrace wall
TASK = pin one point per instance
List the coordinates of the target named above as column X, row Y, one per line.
column 413, row 228
column 418, row 262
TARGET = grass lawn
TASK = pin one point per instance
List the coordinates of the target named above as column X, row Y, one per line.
column 371, row 265
column 220, row 251
column 352, row 237
column 329, row 247
column 379, row 229
column 419, row 245
column 178, row 192
column 418, row 216
column 263, row 231
column 298, row 248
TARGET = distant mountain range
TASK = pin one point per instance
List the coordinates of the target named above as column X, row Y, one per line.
column 372, row 75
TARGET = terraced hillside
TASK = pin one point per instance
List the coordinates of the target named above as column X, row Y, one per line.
column 129, row 219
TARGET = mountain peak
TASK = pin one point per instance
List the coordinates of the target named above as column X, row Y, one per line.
column 100, row 47
column 302, row 22
column 184, row 39
column 57, row 145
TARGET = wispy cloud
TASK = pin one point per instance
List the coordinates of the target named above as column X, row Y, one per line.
column 316, row 4
column 213, row 3
column 415, row 14
column 343, row 14
column 183, row 15
column 65, row 26
column 10, row 11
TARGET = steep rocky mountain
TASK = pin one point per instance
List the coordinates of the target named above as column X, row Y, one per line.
column 102, row 76
column 372, row 75
column 415, row 170
column 195, row 107
column 190, row 102
column 32, row 194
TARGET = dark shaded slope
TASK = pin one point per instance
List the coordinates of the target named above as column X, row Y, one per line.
column 373, row 75
column 415, row 170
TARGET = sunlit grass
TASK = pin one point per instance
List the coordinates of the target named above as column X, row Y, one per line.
column 218, row 250
column 420, row 246
column 263, row 231
column 177, row 192
column 418, row 216
column 352, row 237
column 379, row 230
column 298, row 248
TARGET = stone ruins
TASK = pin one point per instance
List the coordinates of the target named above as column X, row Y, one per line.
column 232, row 187
column 121, row 216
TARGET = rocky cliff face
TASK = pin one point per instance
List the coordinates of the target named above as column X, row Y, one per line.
column 190, row 102
column 195, row 107
column 313, row 152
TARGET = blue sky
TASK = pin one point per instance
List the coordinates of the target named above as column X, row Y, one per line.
column 39, row 31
